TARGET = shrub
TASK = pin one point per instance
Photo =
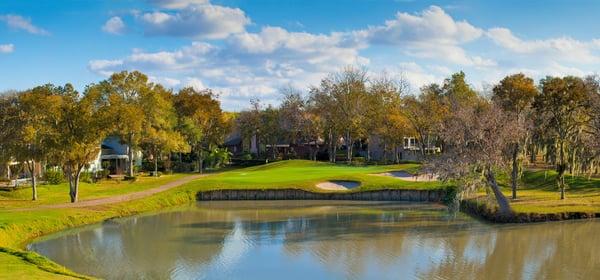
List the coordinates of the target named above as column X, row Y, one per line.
column 87, row 177
column 130, row 178
column 183, row 166
column 54, row 176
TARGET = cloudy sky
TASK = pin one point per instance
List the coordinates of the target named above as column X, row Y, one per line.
column 251, row 49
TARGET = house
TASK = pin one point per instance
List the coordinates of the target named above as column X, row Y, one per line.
column 410, row 150
column 114, row 157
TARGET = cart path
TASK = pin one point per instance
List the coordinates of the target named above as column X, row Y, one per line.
column 117, row 198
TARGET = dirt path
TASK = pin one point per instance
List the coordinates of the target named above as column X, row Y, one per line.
column 117, row 198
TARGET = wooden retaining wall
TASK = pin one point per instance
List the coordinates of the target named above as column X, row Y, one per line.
column 296, row 194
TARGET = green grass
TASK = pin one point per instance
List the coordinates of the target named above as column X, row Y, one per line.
column 54, row 194
column 17, row 228
column 538, row 193
column 306, row 174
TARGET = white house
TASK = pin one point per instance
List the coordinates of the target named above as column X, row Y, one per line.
column 114, row 157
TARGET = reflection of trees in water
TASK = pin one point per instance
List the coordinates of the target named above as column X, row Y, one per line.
column 540, row 251
column 354, row 240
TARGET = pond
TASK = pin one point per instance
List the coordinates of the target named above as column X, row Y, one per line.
column 324, row 240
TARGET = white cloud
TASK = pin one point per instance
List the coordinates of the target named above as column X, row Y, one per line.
column 21, row 23
column 177, row 4
column 240, row 68
column 104, row 67
column 203, row 20
column 430, row 34
column 562, row 48
column 165, row 81
column 114, row 25
column 7, row 48
column 194, row 83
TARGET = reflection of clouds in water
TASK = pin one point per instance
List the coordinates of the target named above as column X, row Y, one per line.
column 333, row 240
column 235, row 245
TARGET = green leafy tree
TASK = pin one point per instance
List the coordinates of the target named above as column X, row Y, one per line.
column 123, row 92
column 159, row 134
column 201, row 120
column 563, row 110
column 10, row 124
column 38, row 109
column 515, row 94
column 83, row 124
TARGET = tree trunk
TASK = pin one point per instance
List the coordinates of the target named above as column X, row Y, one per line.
column 130, row 156
column 515, row 170
column 384, row 154
column 33, row 181
column 503, row 204
column 156, row 166
column 334, row 153
column 348, row 147
column 368, row 151
column 200, row 160
column 74, row 184
column 560, row 178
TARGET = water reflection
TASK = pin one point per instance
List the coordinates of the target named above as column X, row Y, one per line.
column 325, row 240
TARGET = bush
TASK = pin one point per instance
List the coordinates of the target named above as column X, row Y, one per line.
column 183, row 166
column 130, row 178
column 54, row 176
column 87, row 177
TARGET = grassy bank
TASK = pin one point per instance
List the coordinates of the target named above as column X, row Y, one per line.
column 54, row 194
column 17, row 228
column 538, row 197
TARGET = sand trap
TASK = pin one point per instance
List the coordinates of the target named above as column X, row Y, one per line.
column 338, row 185
column 403, row 175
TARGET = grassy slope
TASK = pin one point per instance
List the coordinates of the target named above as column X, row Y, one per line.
column 306, row 174
column 538, row 193
column 54, row 194
column 19, row 228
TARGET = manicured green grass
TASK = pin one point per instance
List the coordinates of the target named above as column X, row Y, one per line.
column 53, row 194
column 17, row 228
column 306, row 174
column 538, row 193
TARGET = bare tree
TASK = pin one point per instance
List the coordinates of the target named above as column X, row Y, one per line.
column 477, row 139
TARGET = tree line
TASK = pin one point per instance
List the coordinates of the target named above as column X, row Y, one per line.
column 477, row 134
column 58, row 126
column 463, row 134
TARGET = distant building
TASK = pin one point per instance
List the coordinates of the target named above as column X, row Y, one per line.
column 114, row 157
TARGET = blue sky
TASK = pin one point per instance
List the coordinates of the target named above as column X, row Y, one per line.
column 251, row 49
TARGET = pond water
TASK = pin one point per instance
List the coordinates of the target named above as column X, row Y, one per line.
column 324, row 240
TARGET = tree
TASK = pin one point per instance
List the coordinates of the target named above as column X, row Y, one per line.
column 475, row 142
column 83, row 124
column 383, row 114
column 38, row 109
column 341, row 98
column 249, row 122
column 426, row 113
column 123, row 92
column 322, row 104
column 562, row 108
column 201, row 120
column 159, row 134
column 10, row 123
column 270, row 128
column 458, row 92
column 515, row 94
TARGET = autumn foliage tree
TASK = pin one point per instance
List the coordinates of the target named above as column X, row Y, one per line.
column 82, row 126
column 515, row 94
column 563, row 110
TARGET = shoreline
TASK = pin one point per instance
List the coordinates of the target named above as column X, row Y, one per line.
column 180, row 196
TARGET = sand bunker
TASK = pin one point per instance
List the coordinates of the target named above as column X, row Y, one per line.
column 338, row 185
column 403, row 175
